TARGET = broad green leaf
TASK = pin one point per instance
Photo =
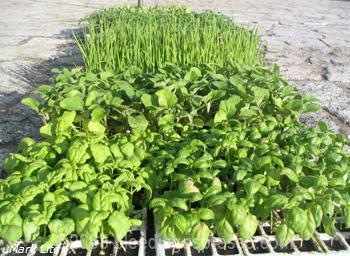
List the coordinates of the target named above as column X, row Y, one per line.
column 77, row 151
column 277, row 161
column 149, row 100
column 98, row 114
column 32, row 103
column 229, row 106
column 122, row 201
column 297, row 219
column 80, row 215
column 90, row 76
column 10, row 226
column 96, row 128
column 251, row 187
column 278, row 102
column 314, row 181
column 273, row 177
column 119, row 224
column 65, row 122
column 260, row 92
column 311, row 107
column 200, row 235
column 204, row 174
column 136, row 222
column 102, row 201
column 247, row 112
column 295, row 105
column 218, row 199
column 116, row 151
column 127, row 88
column 290, row 174
column 59, row 231
column 181, row 225
column 238, row 83
column 60, row 196
column 43, row 89
column 262, row 161
column 205, row 214
column 87, row 224
column 248, row 228
column 302, row 222
column 86, row 173
column 218, row 77
column 92, row 97
column 328, row 224
column 158, row 203
column 239, row 175
column 47, row 130
column 10, row 163
column 204, row 162
column 61, row 144
column 139, row 122
column 237, row 215
column 284, row 235
column 224, row 230
column 193, row 74
column 100, row 153
column 127, row 149
column 25, row 143
column 309, row 228
column 167, row 230
column 317, row 212
column 323, row 126
column 166, row 98
column 105, row 75
column 220, row 116
column 255, row 136
column 73, row 103
column 179, row 203
column 116, row 102
column 31, row 226
column 198, row 122
column 188, row 187
column 175, row 227
column 166, row 119
column 272, row 202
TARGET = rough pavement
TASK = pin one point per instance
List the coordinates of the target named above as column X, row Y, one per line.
column 310, row 40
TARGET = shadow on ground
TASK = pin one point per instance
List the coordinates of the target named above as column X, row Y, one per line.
column 69, row 57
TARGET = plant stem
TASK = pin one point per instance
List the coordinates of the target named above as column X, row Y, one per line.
column 102, row 252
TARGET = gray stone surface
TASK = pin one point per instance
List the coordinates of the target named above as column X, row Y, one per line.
column 310, row 40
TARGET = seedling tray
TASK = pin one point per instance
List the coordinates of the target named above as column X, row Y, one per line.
column 262, row 243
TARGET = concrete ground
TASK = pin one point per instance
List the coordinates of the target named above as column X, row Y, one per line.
column 310, row 40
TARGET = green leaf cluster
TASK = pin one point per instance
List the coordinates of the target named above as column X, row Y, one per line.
column 217, row 151
column 77, row 183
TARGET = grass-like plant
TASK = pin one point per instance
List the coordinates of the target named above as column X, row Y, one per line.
column 148, row 38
